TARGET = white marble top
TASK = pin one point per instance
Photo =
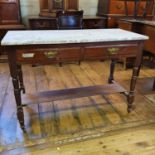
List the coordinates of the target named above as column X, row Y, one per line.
column 68, row 36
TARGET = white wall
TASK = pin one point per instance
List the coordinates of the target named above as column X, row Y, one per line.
column 89, row 6
column 31, row 7
column 28, row 8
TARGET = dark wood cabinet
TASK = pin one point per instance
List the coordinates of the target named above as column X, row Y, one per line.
column 10, row 12
column 117, row 9
column 10, row 18
column 50, row 23
column 42, row 23
column 49, row 8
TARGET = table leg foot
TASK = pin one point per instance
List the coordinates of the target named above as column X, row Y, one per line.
column 20, row 116
column 130, row 100
column 23, row 129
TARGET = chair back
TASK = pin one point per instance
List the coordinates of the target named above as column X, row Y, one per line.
column 70, row 19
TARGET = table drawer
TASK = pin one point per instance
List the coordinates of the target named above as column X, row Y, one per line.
column 43, row 24
column 49, row 55
column 113, row 51
column 70, row 53
column 37, row 57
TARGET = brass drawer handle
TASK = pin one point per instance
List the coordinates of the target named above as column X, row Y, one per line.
column 113, row 50
column 51, row 54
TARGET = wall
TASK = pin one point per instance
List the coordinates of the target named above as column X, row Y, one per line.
column 31, row 7
column 89, row 6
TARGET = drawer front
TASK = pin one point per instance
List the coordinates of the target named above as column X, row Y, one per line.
column 43, row 24
column 47, row 56
column 40, row 24
column 74, row 54
column 109, row 52
column 94, row 23
column 70, row 54
column 38, row 56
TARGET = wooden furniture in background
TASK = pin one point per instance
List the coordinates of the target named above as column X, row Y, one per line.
column 117, row 9
column 49, row 8
column 143, row 27
column 69, row 19
column 112, row 49
column 10, row 12
column 10, row 19
column 50, row 23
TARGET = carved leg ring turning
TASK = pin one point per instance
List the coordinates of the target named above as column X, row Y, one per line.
column 20, row 77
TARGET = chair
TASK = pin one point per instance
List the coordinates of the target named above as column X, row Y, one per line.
column 70, row 20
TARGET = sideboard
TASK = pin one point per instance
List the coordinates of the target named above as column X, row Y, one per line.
column 50, row 23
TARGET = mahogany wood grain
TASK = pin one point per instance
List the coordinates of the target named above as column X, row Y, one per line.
column 115, row 10
column 10, row 12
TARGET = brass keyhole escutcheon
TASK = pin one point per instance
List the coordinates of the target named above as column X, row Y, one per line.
column 51, row 54
column 113, row 50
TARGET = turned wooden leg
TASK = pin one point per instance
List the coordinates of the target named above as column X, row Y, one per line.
column 154, row 85
column 135, row 74
column 112, row 69
column 17, row 92
column 20, row 77
column 131, row 95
